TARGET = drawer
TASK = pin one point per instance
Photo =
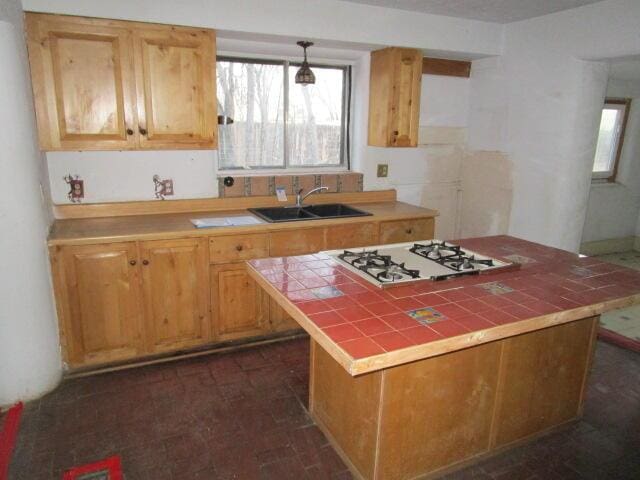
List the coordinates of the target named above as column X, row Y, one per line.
column 399, row 231
column 352, row 235
column 297, row 242
column 234, row 248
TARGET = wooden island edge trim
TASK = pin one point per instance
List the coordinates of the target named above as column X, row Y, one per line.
column 441, row 347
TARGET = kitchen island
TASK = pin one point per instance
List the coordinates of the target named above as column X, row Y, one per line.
column 414, row 380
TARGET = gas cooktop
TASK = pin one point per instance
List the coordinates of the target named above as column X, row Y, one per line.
column 403, row 263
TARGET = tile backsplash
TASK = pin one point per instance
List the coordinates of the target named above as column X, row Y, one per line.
column 252, row 186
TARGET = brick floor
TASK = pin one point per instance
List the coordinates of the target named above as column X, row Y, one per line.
column 242, row 416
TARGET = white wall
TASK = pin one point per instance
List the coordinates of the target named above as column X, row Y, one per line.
column 334, row 22
column 29, row 352
column 613, row 208
column 429, row 175
column 543, row 102
column 346, row 31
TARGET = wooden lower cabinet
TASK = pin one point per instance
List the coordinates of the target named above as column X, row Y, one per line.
column 240, row 308
column 297, row 242
column 98, row 298
column 399, row 231
column 124, row 300
column 352, row 235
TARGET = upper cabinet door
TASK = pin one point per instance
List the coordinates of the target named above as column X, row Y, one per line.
column 394, row 97
column 175, row 78
column 405, row 107
column 83, row 82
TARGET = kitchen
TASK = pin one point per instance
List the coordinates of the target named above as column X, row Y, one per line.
column 478, row 158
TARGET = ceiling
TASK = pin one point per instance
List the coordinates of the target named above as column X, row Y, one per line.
column 499, row 11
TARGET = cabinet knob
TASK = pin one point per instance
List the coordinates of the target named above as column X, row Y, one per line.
column 409, row 231
column 395, row 133
column 132, row 262
column 129, row 131
column 145, row 262
column 143, row 131
column 239, row 248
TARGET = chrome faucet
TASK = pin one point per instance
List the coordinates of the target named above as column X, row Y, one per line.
column 300, row 198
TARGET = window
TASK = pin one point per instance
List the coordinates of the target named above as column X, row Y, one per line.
column 277, row 123
column 610, row 138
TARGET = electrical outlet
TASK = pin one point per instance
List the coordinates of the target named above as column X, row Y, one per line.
column 168, row 187
column 163, row 188
column 76, row 188
column 383, row 170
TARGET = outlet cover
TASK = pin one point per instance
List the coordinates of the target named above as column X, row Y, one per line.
column 383, row 170
column 168, row 186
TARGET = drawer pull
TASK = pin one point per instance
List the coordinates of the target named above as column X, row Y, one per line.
column 239, row 248
column 132, row 262
column 145, row 262
column 409, row 231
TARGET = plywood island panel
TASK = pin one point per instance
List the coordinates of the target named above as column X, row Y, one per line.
column 505, row 358
column 425, row 417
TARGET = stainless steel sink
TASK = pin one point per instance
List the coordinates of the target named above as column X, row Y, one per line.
column 309, row 212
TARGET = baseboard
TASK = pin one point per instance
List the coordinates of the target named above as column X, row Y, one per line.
column 611, row 245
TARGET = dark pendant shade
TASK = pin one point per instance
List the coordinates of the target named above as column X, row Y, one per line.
column 305, row 76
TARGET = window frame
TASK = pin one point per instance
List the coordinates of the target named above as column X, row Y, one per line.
column 345, row 160
column 611, row 175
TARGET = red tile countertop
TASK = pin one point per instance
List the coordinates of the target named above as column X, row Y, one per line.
column 366, row 328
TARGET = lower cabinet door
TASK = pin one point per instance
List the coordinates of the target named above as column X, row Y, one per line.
column 99, row 302
column 240, row 307
column 176, row 293
column 280, row 320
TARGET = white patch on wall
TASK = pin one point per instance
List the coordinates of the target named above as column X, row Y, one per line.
column 444, row 101
column 128, row 175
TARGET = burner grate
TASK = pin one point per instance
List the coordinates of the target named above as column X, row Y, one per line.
column 378, row 266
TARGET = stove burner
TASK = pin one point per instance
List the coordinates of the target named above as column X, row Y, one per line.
column 380, row 267
column 463, row 262
column 365, row 259
column 396, row 272
column 436, row 250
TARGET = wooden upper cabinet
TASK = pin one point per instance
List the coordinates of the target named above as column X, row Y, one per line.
column 176, row 293
column 394, row 97
column 98, row 295
column 83, row 82
column 176, row 87
column 114, row 85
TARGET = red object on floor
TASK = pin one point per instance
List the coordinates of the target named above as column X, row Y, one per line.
column 619, row 340
column 8, row 438
column 110, row 465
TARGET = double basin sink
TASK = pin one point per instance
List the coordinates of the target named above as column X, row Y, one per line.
column 308, row 212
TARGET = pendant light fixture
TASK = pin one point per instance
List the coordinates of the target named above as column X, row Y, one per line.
column 305, row 76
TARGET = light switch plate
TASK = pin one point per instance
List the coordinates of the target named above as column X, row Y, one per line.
column 383, row 170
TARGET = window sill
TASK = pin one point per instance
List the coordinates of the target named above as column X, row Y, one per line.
column 603, row 182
